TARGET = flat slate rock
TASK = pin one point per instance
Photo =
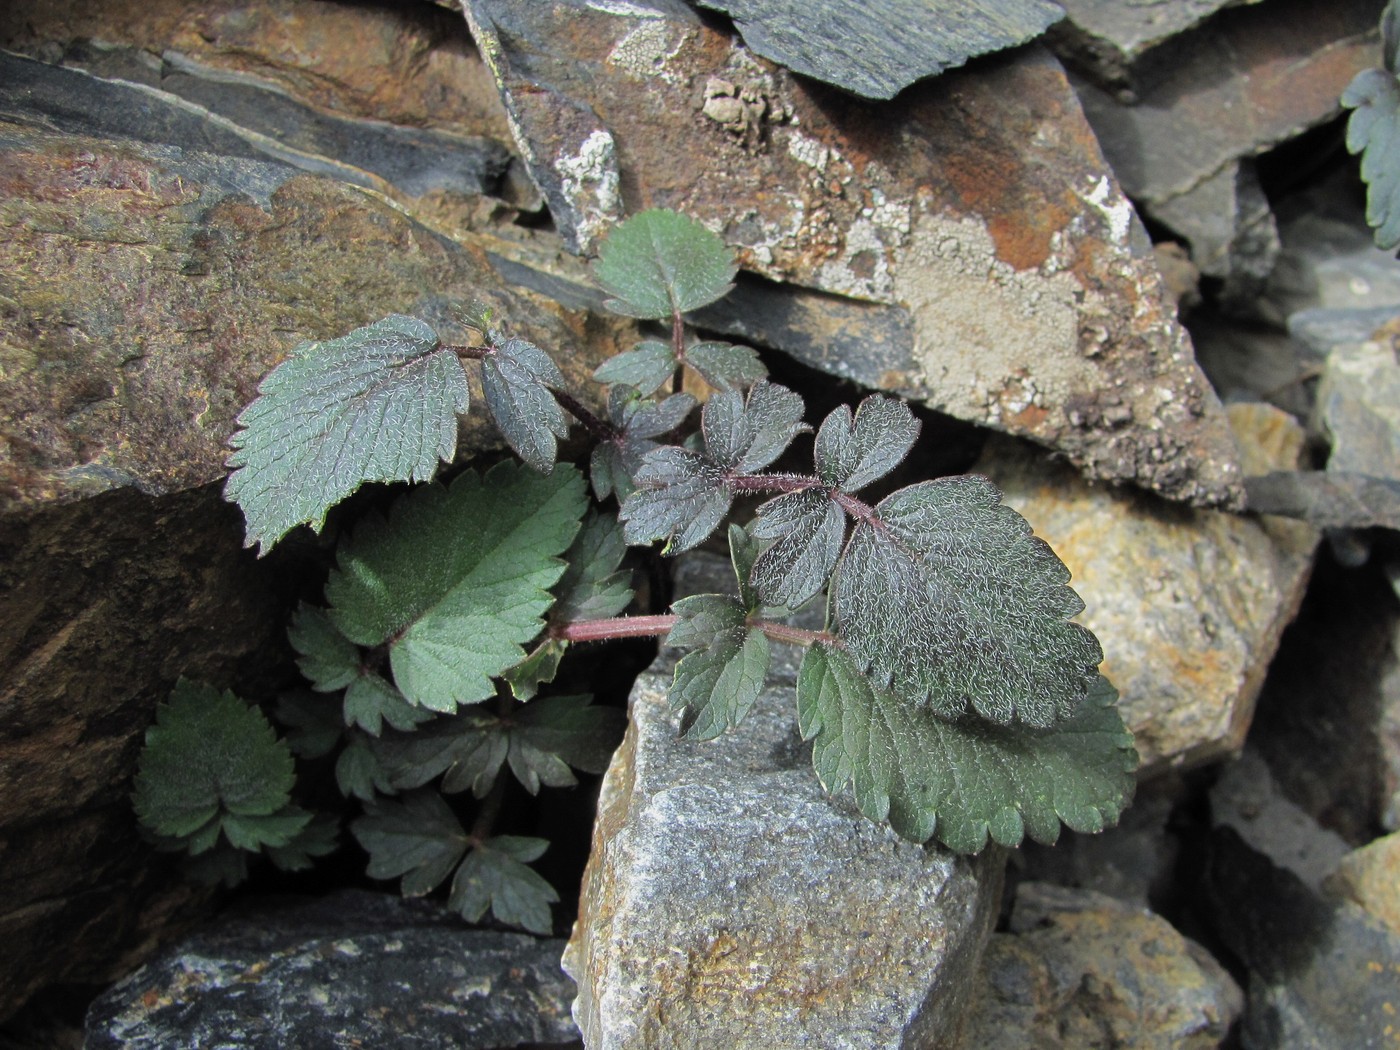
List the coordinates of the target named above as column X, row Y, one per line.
column 876, row 48
column 352, row 969
column 979, row 210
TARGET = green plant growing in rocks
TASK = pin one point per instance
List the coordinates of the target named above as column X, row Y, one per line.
column 949, row 687
column 1373, row 130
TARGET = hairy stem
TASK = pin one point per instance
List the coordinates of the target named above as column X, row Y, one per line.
column 797, row 483
column 781, row 632
column 469, row 353
column 615, row 627
column 600, row 429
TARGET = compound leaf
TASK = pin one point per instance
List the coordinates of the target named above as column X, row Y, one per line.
column 659, row 263
column 379, row 404
column 516, row 378
column 950, row 602
column 358, row 772
column 962, row 781
column 681, row 497
column 370, row 701
column 716, row 684
column 455, row 580
column 644, row 369
column 809, row 528
column 495, row 876
column 274, row 829
column 320, row 837
column 592, row 586
column 615, row 463
column 746, row 434
column 726, row 364
column 850, row 454
column 314, row 723
column 417, row 836
column 326, row 658
column 1373, row 130
column 209, row 755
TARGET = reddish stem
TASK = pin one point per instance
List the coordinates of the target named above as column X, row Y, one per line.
column 781, row 632
column 616, row 627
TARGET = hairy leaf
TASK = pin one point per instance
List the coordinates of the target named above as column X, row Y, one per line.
column 681, row 497
column 455, row 581
column 746, row 434
column 370, row 702
column 645, row 369
column 1373, row 130
column 358, row 771
column 592, row 586
column 716, row 685
column 726, row 364
column 327, row 659
column 659, row 263
column 615, row 463
column 516, row 379
column 210, row 756
column 314, row 723
column 950, row 602
column 540, row 741
column 494, row 876
column 966, row 780
column 850, row 454
column 319, row 838
column 379, row 404
column 417, row 837
column 809, row 528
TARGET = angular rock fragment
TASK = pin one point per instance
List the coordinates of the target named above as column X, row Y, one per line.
column 1081, row 969
column 1358, row 401
column 1189, row 606
column 980, row 212
column 1369, row 877
column 876, row 48
column 350, row 969
column 729, row 902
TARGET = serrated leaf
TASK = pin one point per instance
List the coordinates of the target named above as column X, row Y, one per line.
column 645, row 369
column 726, row 364
column 744, row 435
column 616, row 463
column 962, row 781
column 313, row 721
column 417, row 836
column 851, row 453
column 538, row 668
column 659, row 263
column 809, row 528
column 592, row 586
column 455, row 581
column 516, row 378
column 319, row 838
column 275, row 829
column 681, row 497
column 540, row 740
column 1373, row 130
column 716, row 685
column 495, row 876
column 379, row 404
column 209, row 755
column 950, row 601
column 327, row 659
column 370, row 701
column 359, row 773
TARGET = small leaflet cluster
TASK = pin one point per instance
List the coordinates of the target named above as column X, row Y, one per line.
column 950, row 689
column 1373, row 130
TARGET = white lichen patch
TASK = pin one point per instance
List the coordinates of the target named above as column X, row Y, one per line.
column 624, row 9
column 590, row 182
column 807, row 150
column 646, row 52
column 1113, row 206
column 863, row 267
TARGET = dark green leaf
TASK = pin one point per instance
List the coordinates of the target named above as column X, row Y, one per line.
column 950, row 602
column 516, row 379
column 358, row 771
column 726, row 364
column 379, row 404
column 538, row 668
column 717, row 684
column 455, row 581
column 314, row 723
column 615, row 463
column 223, row 865
column 592, row 587
column 809, row 528
column 319, row 838
column 275, row 829
column 370, row 702
column 327, row 658
column 644, row 369
column 494, row 876
column 744, row 435
column 850, row 454
column 681, row 498
column 962, row 781
column 209, row 755
column 1373, row 130
column 417, row 837
column 660, row 262
column 649, row 419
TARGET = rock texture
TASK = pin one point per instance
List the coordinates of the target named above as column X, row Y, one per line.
column 1189, row 605
column 350, row 969
column 729, row 902
column 1079, row 969
column 981, row 211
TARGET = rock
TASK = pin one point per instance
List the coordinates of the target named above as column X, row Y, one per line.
column 1359, row 403
column 876, row 49
column 1369, row 877
column 1250, row 361
column 1085, row 970
column 1322, row 330
column 147, row 290
column 1189, row 605
column 729, row 902
column 1321, row 974
column 1027, row 296
column 350, row 969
